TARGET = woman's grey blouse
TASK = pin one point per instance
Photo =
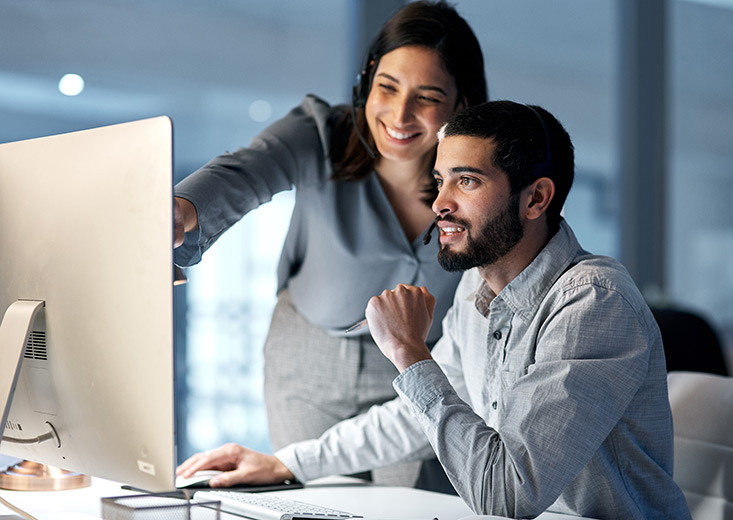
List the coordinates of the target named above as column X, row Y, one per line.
column 345, row 243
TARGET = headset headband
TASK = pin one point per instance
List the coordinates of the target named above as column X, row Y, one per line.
column 545, row 168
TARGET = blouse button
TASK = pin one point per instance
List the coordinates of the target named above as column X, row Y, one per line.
column 497, row 334
column 494, row 405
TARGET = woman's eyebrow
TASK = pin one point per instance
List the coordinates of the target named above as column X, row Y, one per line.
column 422, row 87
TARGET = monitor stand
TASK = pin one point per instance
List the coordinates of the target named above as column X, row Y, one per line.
column 32, row 476
column 14, row 330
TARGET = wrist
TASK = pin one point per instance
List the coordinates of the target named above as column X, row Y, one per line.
column 405, row 357
column 190, row 217
column 281, row 471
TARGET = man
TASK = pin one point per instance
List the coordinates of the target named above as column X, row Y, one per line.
column 548, row 388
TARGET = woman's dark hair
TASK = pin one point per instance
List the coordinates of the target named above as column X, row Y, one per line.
column 433, row 25
column 529, row 143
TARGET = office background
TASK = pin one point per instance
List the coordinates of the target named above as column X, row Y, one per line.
column 643, row 86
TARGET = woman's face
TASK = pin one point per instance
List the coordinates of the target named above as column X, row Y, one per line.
column 412, row 95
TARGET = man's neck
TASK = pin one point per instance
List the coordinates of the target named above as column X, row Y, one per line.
column 499, row 274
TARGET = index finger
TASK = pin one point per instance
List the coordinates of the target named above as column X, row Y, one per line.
column 209, row 459
column 429, row 301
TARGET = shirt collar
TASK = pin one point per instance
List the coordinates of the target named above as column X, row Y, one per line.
column 525, row 292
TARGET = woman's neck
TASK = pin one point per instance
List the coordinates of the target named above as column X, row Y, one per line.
column 403, row 176
column 405, row 185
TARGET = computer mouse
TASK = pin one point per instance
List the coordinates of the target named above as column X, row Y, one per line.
column 198, row 479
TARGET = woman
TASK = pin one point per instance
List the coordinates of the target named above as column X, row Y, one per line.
column 363, row 179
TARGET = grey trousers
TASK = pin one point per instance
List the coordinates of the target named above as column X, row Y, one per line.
column 314, row 380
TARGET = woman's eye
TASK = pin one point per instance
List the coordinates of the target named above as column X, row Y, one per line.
column 386, row 87
column 426, row 99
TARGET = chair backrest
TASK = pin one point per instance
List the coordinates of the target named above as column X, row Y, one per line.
column 702, row 410
column 690, row 342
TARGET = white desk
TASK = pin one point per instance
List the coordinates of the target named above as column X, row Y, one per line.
column 374, row 502
column 398, row 503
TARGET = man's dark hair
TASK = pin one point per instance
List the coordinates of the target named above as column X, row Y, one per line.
column 520, row 133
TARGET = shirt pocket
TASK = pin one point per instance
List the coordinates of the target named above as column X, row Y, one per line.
column 507, row 378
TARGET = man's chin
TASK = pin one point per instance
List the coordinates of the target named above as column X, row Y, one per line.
column 452, row 261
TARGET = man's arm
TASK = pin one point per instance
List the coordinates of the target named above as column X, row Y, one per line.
column 559, row 410
column 384, row 435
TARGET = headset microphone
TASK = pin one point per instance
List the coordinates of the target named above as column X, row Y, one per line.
column 428, row 234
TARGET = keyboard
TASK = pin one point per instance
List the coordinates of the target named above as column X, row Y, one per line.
column 259, row 506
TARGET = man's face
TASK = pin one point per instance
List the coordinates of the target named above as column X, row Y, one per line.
column 478, row 218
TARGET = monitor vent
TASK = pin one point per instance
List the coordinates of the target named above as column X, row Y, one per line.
column 35, row 347
column 13, row 426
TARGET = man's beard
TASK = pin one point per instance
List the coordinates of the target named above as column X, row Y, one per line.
column 495, row 239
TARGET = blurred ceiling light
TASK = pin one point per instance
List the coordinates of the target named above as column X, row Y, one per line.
column 260, row 111
column 71, row 84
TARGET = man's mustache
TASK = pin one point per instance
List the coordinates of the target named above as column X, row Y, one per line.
column 448, row 218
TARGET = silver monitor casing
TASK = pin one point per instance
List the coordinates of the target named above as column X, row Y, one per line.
column 86, row 227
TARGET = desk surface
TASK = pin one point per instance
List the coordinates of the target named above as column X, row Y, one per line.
column 374, row 502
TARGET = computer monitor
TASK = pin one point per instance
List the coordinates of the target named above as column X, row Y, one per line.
column 86, row 243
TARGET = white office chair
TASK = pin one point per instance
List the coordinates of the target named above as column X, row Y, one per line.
column 702, row 410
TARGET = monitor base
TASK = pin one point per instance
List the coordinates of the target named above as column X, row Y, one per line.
column 32, row 476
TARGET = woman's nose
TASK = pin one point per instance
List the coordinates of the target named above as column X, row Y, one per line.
column 403, row 110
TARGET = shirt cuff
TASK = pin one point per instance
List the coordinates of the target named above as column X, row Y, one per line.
column 421, row 384
column 189, row 253
column 299, row 456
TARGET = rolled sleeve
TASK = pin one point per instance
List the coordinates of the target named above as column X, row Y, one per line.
column 384, row 435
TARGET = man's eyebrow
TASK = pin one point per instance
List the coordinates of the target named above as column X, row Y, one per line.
column 462, row 169
column 430, row 88
column 467, row 169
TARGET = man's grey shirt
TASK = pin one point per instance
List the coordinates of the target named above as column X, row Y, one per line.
column 550, row 395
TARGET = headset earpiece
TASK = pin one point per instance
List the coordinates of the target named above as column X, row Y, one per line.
column 360, row 92
column 359, row 95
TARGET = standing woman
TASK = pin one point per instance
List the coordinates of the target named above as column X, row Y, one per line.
column 364, row 186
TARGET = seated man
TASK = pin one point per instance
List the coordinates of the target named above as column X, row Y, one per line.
column 548, row 388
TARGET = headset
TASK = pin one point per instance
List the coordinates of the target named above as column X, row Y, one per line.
column 359, row 95
column 540, row 169
column 360, row 91
column 545, row 168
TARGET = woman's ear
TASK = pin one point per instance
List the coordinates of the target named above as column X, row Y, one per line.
column 461, row 103
column 540, row 193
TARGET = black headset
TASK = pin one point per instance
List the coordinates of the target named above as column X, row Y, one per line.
column 360, row 91
column 359, row 95
column 540, row 169
column 544, row 168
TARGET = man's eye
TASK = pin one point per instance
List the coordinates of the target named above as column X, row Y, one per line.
column 467, row 181
column 438, row 183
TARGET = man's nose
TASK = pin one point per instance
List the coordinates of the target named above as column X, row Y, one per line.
column 444, row 204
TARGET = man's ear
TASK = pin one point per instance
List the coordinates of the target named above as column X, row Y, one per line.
column 539, row 194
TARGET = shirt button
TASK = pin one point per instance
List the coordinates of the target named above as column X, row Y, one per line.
column 494, row 405
column 497, row 334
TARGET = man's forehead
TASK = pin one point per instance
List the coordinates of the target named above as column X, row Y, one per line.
column 464, row 151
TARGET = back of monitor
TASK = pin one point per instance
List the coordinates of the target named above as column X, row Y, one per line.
column 87, row 229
